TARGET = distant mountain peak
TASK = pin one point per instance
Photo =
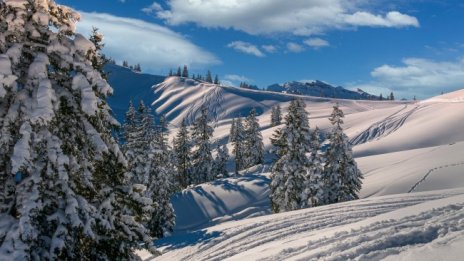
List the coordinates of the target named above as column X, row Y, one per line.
column 319, row 88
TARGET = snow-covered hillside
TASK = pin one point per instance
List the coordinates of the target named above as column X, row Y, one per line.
column 129, row 85
column 410, row 154
column 416, row 226
column 180, row 98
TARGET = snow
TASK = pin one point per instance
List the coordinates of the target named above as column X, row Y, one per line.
column 412, row 196
column 43, row 111
column 89, row 103
column 364, row 229
column 83, row 44
column 21, row 151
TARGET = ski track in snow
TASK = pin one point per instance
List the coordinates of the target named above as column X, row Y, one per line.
column 384, row 127
column 414, row 187
column 234, row 239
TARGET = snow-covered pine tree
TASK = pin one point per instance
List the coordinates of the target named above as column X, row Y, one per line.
column 289, row 171
column 209, row 77
column 216, row 79
column 63, row 190
column 239, row 145
column 314, row 193
column 276, row 116
column 179, row 72
column 161, row 187
column 185, row 72
column 202, row 160
column 254, row 147
column 220, row 162
column 182, row 151
column 232, row 133
column 98, row 59
column 343, row 178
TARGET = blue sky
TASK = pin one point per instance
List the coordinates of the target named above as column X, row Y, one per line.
column 413, row 48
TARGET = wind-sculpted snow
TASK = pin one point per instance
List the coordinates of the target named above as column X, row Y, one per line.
column 384, row 127
column 368, row 229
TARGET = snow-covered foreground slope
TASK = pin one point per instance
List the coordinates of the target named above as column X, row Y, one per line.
column 396, row 227
column 400, row 147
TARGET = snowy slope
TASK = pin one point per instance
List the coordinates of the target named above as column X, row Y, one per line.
column 401, row 147
column 129, row 85
column 396, row 227
column 180, row 98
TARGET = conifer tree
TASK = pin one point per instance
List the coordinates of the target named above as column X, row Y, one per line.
column 239, row 145
column 216, row 79
column 276, row 116
column 125, row 64
column 201, row 159
column 343, row 178
column 98, row 59
column 182, row 150
column 392, row 97
column 254, row 147
column 232, row 133
column 170, row 73
column 209, row 78
column 179, row 72
column 220, row 162
column 63, row 190
column 289, row 170
column 314, row 193
column 185, row 72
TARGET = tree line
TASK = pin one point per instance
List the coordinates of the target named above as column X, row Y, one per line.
column 185, row 73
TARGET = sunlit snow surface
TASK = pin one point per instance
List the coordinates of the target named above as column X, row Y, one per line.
column 412, row 157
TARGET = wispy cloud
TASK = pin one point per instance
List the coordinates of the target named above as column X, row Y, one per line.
column 299, row 17
column 153, row 46
column 154, row 7
column 294, row 47
column 247, row 48
column 269, row 48
column 418, row 76
column 316, row 43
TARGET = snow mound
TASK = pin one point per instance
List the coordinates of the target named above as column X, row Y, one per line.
column 369, row 229
column 456, row 96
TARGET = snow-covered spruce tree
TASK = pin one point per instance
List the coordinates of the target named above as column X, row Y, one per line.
column 289, row 171
column 63, row 192
column 209, row 77
column 239, row 145
column 182, row 151
column 276, row 116
column 232, row 132
column 220, row 162
column 314, row 193
column 185, row 72
column 179, row 72
column 254, row 147
column 343, row 178
column 98, row 59
column 201, row 159
column 150, row 168
column 162, row 186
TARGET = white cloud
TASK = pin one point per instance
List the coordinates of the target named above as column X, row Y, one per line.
column 246, row 47
column 236, row 78
column 417, row 76
column 316, row 43
column 294, row 47
column 422, row 73
column 269, row 48
column 153, row 46
column 152, row 8
column 300, row 17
